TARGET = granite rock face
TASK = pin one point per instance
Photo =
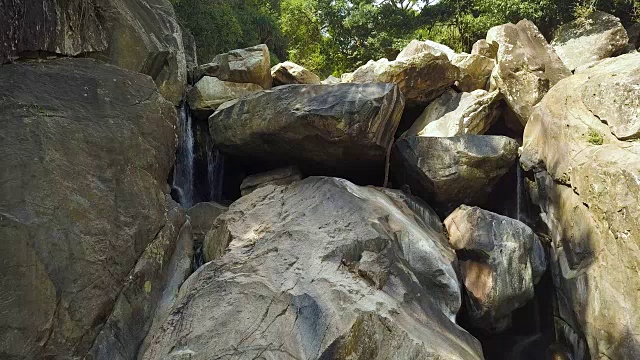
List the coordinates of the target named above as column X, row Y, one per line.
column 596, row 37
column 138, row 35
column 322, row 269
column 81, row 157
column 588, row 189
column 526, row 66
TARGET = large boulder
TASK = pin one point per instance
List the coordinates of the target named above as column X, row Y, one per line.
column 456, row 113
column 588, row 188
column 149, row 291
column 595, row 37
column 291, row 73
column 322, row 269
column 501, row 260
column 282, row 176
column 335, row 128
column 475, row 71
column 139, row 35
column 86, row 149
column 483, row 48
column 527, row 66
column 417, row 47
column 421, row 78
column 450, row 171
column 249, row 65
column 210, row 92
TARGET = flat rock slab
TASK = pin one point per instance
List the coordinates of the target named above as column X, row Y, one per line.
column 340, row 129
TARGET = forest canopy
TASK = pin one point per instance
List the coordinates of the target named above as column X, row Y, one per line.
column 336, row 36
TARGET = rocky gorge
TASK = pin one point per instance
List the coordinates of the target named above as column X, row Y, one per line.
column 154, row 205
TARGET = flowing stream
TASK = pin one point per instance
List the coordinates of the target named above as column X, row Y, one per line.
column 183, row 169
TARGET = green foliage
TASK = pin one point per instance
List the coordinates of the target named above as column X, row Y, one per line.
column 594, row 137
column 222, row 25
column 337, row 36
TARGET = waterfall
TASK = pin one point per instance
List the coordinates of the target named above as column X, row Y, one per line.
column 183, row 171
column 215, row 170
column 519, row 186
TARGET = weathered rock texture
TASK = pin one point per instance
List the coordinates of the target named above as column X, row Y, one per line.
column 527, row 66
column 456, row 113
column 210, row 92
column 150, row 288
column 452, row 171
column 250, row 65
column 501, row 260
column 596, row 37
column 421, row 78
column 292, row 73
column 330, row 127
column 482, row 47
column 139, row 35
column 86, row 149
column 322, row 269
column 417, row 47
column 475, row 71
column 283, row 176
column 202, row 216
column 588, row 188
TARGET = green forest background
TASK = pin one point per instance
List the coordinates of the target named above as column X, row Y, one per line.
column 337, row 36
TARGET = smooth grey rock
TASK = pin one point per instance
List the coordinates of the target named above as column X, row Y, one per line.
column 501, row 260
column 86, row 150
column 291, row 73
column 322, row 269
column 282, row 176
column 338, row 128
column 596, row 37
column 452, row 171
column 588, row 189
column 527, row 66
column 456, row 113
column 249, row 65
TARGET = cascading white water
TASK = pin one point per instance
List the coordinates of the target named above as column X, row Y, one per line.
column 183, row 170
